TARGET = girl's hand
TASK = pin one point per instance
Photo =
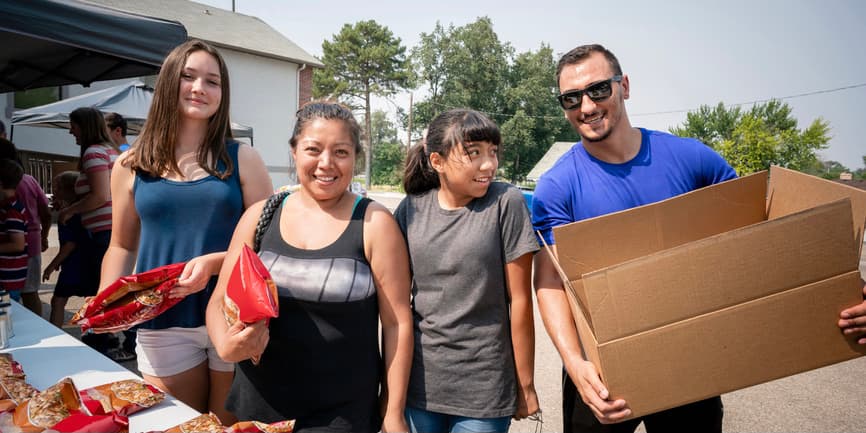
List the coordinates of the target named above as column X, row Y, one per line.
column 193, row 278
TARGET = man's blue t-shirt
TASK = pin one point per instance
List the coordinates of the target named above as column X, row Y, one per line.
column 580, row 186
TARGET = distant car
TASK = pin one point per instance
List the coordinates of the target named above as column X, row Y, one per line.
column 357, row 188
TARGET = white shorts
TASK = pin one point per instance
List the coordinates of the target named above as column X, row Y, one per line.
column 166, row 352
column 34, row 275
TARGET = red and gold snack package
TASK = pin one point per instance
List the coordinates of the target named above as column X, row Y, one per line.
column 130, row 300
column 13, row 391
column 251, row 294
column 210, row 423
column 10, row 367
column 59, row 409
column 260, row 427
column 124, row 397
column 202, row 423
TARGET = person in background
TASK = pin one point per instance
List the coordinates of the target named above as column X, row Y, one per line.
column 178, row 195
column 33, row 197
column 97, row 154
column 340, row 266
column 614, row 167
column 117, row 130
column 73, row 241
column 13, row 229
column 470, row 243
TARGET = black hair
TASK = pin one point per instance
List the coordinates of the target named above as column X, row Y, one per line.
column 115, row 120
column 11, row 173
column 329, row 111
column 447, row 130
column 581, row 53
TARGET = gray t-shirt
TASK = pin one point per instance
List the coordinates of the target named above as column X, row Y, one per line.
column 463, row 361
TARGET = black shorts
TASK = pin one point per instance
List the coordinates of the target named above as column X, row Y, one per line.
column 68, row 290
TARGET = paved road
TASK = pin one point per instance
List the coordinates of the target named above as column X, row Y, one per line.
column 830, row 399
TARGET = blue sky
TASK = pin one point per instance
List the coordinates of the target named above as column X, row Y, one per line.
column 678, row 54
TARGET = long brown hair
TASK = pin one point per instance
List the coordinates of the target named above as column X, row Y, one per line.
column 153, row 152
column 92, row 130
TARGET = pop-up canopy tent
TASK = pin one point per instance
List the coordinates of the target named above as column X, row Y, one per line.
column 57, row 42
column 131, row 100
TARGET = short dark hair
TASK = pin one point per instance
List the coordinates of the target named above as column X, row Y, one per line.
column 115, row 120
column 581, row 53
column 11, row 173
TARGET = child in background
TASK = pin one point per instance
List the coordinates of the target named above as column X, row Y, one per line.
column 73, row 241
column 13, row 229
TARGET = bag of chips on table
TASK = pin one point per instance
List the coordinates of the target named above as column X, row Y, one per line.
column 210, row 423
column 13, row 391
column 124, row 397
column 251, row 294
column 9, row 366
column 130, row 300
column 57, row 408
column 260, row 427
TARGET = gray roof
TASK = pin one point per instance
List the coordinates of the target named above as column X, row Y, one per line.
column 556, row 150
column 220, row 27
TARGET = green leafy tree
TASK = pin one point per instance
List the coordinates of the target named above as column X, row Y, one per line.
column 363, row 60
column 535, row 121
column 752, row 141
column 470, row 67
column 388, row 152
column 462, row 66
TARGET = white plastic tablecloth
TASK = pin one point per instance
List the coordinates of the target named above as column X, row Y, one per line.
column 48, row 354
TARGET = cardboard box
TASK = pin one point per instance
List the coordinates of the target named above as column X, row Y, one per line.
column 718, row 289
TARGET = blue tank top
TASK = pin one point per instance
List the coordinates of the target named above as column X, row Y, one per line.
column 183, row 220
column 322, row 365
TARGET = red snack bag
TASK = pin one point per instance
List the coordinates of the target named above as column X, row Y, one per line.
column 130, row 300
column 48, row 407
column 251, row 294
column 202, row 423
column 124, row 397
column 13, row 391
column 10, row 367
column 260, row 427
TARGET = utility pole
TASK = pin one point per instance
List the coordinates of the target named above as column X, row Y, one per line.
column 409, row 131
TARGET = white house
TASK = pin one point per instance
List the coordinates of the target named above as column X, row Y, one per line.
column 270, row 77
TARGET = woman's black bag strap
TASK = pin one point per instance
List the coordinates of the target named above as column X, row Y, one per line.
column 271, row 206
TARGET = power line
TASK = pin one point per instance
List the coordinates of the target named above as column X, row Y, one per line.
column 685, row 110
column 758, row 101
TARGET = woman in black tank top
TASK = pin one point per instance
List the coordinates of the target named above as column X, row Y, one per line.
column 341, row 266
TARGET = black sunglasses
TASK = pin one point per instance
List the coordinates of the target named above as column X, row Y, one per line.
column 597, row 92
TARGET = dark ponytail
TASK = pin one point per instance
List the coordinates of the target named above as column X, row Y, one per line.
column 447, row 131
column 419, row 177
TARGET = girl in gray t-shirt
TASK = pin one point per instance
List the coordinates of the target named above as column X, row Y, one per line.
column 470, row 244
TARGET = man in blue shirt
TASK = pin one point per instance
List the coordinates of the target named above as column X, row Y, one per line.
column 614, row 167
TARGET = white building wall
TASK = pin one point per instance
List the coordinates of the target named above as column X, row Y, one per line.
column 265, row 97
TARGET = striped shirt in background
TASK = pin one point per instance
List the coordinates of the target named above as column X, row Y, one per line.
column 13, row 265
column 97, row 158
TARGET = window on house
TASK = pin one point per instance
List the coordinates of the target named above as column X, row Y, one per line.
column 36, row 97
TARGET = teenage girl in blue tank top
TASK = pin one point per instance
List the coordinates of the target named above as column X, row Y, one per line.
column 340, row 265
column 178, row 193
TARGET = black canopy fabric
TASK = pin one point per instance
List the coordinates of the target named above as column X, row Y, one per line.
column 55, row 42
